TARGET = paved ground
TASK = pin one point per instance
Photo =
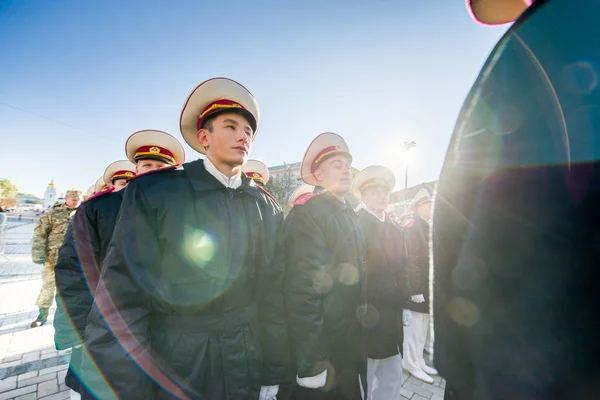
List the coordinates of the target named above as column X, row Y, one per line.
column 30, row 367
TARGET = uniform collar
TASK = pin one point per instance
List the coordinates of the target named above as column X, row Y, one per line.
column 233, row 183
column 380, row 218
column 201, row 179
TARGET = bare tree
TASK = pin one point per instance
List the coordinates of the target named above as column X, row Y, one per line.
column 282, row 186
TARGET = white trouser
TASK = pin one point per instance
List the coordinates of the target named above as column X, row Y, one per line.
column 74, row 395
column 428, row 342
column 414, row 342
column 384, row 378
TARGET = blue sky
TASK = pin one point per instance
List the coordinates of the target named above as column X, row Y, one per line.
column 88, row 73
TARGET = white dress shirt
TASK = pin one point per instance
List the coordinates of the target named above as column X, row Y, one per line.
column 232, row 183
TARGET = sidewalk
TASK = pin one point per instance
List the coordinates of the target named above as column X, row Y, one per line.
column 30, row 367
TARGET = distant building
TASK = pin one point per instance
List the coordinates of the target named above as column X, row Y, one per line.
column 49, row 196
column 27, row 200
column 279, row 171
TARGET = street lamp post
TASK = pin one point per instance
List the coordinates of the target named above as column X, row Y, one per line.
column 407, row 148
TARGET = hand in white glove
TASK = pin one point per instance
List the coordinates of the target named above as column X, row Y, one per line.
column 313, row 382
column 406, row 317
column 418, row 298
column 268, row 392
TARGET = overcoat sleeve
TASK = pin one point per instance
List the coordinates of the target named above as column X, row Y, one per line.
column 305, row 256
column 274, row 335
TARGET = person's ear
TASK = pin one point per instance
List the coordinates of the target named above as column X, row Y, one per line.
column 203, row 137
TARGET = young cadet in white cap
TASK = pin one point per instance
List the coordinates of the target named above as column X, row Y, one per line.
column 100, row 185
column 301, row 195
column 417, row 245
column 387, row 279
column 324, row 254
column 118, row 173
column 257, row 170
column 195, row 298
column 93, row 227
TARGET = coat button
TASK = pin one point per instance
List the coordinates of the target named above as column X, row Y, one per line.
column 231, row 194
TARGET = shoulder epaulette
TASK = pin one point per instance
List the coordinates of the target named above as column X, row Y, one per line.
column 262, row 189
column 100, row 193
column 168, row 168
column 303, row 198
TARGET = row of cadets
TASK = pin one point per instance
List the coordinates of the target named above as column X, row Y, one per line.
column 88, row 238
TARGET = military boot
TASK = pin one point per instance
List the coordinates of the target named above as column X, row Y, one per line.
column 41, row 319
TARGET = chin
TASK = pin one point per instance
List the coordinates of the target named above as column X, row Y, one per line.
column 237, row 161
column 342, row 188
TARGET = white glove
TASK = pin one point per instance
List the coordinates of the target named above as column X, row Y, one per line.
column 418, row 298
column 406, row 317
column 313, row 382
column 268, row 392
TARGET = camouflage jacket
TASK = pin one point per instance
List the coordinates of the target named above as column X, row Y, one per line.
column 49, row 234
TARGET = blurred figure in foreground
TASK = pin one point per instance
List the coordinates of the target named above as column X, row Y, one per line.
column 516, row 229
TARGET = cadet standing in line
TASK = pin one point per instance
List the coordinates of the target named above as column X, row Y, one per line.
column 194, row 296
column 324, row 254
column 387, row 281
column 258, row 171
column 100, row 185
column 301, row 195
column 93, row 225
column 417, row 245
column 117, row 175
column 47, row 239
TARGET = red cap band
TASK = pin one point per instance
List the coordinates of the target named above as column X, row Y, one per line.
column 154, row 151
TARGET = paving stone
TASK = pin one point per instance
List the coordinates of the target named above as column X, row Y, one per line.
column 406, row 393
column 437, row 397
column 12, row 358
column 418, row 390
column 62, row 387
column 418, row 397
column 53, row 369
column 60, row 376
column 30, row 396
column 47, row 388
column 37, row 379
column 8, row 384
column 17, row 392
column 58, row 396
column 436, row 390
column 10, row 364
column 30, row 357
column 27, row 375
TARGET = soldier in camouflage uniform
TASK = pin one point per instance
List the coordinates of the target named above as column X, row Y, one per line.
column 47, row 239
